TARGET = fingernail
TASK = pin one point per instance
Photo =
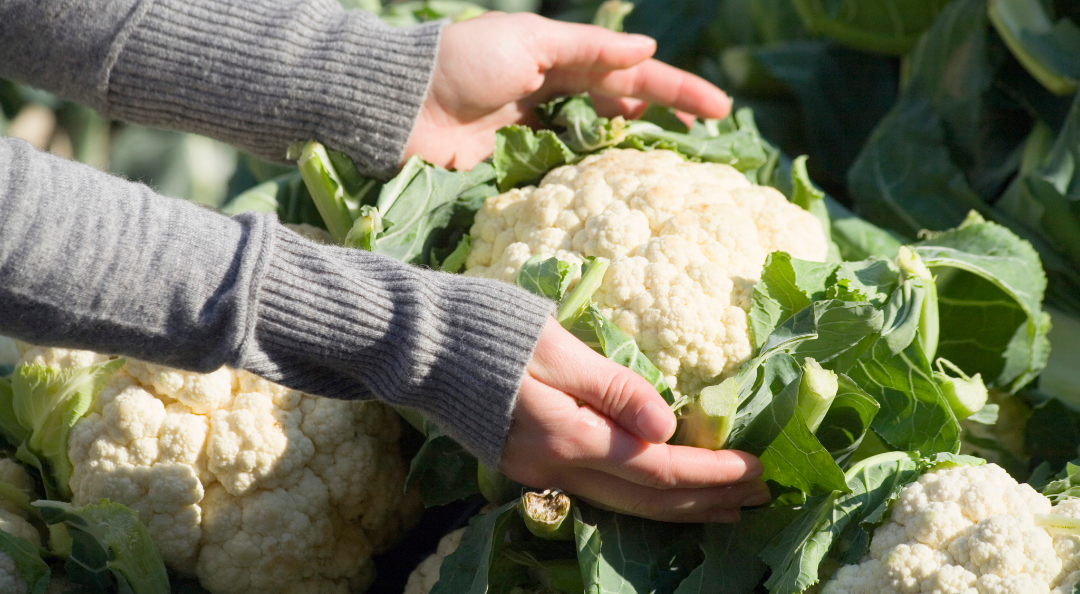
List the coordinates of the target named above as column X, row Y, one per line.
column 641, row 39
column 760, row 497
column 655, row 423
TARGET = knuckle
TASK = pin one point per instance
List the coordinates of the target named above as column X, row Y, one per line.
column 617, row 392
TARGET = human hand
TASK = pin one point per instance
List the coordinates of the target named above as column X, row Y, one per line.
column 610, row 450
column 493, row 70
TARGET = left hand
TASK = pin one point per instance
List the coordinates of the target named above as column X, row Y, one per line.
column 493, row 70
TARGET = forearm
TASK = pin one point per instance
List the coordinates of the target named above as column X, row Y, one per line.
column 94, row 262
column 259, row 74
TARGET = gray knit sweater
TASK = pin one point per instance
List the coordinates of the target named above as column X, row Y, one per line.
column 92, row 261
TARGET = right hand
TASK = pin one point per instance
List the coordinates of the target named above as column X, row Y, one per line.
column 610, row 449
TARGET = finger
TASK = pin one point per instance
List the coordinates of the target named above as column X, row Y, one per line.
column 716, row 504
column 583, row 47
column 565, row 363
column 659, row 466
column 651, row 81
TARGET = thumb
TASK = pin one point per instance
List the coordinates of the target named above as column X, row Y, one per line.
column 563, row 362
column 585, row 47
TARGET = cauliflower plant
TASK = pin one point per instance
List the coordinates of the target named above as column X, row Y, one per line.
column 687, row 242
column 248, row 485
column 966, row 530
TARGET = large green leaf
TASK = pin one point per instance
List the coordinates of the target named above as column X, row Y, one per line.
column 621, row 554
column 430, row 210
column 731, row 562
column 524, row 156
column 990, row 300
column 886, row 26
column 1049, row 51
column 789, row 451
column 797, row 551
column 442, row 470
column 466, row 570
column 622, row 349
column 848, row 420
column 787, row 285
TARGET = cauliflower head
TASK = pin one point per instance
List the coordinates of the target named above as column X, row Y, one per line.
column 246, row 484
column 687, row 242
column 11, row 581
column 426, row 575
column 966, row 530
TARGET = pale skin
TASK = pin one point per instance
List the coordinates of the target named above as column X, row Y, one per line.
column 581, row 423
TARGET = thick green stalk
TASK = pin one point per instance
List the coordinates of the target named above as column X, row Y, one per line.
column 575, row 302
column 495, row 486
column 911, row 266
column 547, row 514
column 817, row 389
column 611, row 13
column 326, row 189
column 711, row 416
column 966, row 395
column 1058, row 523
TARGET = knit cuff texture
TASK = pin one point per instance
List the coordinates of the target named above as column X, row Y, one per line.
column 263, row 74
column 351, row 324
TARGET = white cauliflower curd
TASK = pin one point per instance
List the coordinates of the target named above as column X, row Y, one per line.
column 248, row 485
column 426, row 575
column 966, row 530
column 687, row 242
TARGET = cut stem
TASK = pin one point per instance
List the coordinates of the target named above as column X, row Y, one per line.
column 579, row 298
column 547, row 514
column 817, row 389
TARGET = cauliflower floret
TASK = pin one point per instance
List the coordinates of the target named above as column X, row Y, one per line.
column 423, row 578
column 966, row 530
column 687, row 242
column 11, row 580
column 250, row 486
column 16, row 525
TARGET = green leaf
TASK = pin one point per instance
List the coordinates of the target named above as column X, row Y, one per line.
column 546, row 277
column 442, row 470
column 1049, row 51
column 731, row 562
column 848, row 420
column 872, row 281
column 787, row 285
column 789, row 451
column 28, row 561
column 914, row 413
column 466, row 570
column 796, row 552
column 524, row 156
column 622, row 349
column 109, row 546
column 48, row 402
column 624, row 554
column 885, row 26
column 428, row 208
column 990, row 296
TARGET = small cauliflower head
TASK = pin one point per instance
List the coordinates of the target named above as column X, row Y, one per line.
column 11, row 580
column 687, row 242
column 246, row 484
column 426, row 575
column 965, row 530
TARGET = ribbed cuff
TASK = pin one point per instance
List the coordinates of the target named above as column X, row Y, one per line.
column 350, row 324
column 262, row 74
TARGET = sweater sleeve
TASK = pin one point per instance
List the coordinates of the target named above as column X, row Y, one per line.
column 91, row 261
column 258, row 74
